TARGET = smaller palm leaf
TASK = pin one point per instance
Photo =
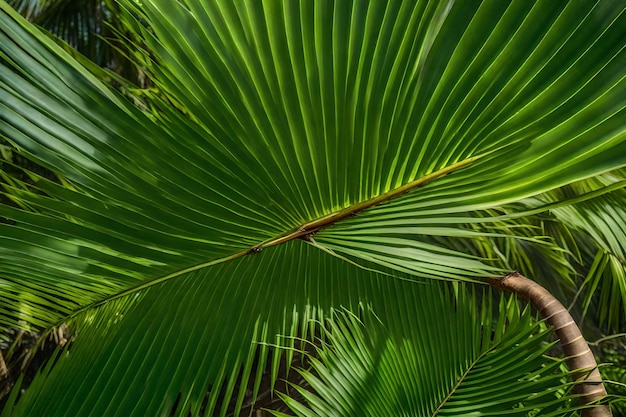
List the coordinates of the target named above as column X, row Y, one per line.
column 437, row 364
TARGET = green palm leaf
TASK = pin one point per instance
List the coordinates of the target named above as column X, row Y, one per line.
column 581, row 234
column 600, row 228
column 294, row 117
column 380, row 368
column 204, row 341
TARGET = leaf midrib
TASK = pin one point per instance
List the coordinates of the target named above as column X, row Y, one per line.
column 461, row 379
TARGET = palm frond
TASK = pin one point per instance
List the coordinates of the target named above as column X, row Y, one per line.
column 586, row 219
column 208, row 326
column 295, row 116
column 436, row 367
column 602, row 231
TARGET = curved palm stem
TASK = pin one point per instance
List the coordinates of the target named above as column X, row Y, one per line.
column 580, row 359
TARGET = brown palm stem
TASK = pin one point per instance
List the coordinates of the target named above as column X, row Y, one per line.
column 579, row 358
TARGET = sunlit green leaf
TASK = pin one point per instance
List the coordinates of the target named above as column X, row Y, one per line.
column 376, row 131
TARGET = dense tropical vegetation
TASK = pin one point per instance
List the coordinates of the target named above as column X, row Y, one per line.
column 317, row 192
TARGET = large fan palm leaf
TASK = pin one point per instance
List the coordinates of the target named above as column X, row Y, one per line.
column 290, row 118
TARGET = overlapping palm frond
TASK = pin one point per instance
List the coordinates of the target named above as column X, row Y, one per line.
column 435, row 367
column 233, row 221
column 553, row 236
column 585, row 219
column 602, row 227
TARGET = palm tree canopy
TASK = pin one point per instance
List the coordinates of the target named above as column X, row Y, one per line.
column 299, row 157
